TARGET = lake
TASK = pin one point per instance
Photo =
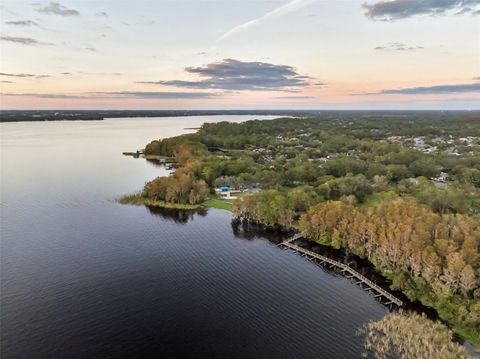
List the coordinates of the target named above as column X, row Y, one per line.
column 85, row 277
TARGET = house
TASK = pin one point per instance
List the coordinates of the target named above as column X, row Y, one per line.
column 226, row 192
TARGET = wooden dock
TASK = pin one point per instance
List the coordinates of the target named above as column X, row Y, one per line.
column 349, row 272
column 290, row 240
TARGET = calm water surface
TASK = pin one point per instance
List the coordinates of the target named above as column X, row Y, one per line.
column 85, row 277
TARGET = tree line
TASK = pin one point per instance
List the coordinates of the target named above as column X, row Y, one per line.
column 428, row 256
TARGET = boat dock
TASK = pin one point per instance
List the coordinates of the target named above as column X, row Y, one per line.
column 349, row 272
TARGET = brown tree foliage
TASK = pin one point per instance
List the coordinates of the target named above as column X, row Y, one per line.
column 402, row 235
column 183, row 187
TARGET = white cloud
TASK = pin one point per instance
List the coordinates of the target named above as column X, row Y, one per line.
column 279, row 11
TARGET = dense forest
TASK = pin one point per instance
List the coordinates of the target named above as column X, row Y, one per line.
column 401, row 189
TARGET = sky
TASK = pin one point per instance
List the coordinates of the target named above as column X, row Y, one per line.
column 240, row 54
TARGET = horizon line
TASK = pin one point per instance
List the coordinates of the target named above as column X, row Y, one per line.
column 243, row 110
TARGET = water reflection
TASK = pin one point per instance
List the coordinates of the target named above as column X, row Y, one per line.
column 176, row 215
column 155, row 162
column 251, row 231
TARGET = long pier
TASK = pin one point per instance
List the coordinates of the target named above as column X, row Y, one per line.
column 348, row 271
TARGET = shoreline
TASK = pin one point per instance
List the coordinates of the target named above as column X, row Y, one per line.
column 210, row 202
column 137, row 200
column 7, row 116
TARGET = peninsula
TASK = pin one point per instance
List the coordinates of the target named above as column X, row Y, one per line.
column 402, row 191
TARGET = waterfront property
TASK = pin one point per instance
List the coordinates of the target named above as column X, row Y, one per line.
column 227, row 192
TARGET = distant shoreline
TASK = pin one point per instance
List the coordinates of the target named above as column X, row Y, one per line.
column 93, row 115
column 99, row 115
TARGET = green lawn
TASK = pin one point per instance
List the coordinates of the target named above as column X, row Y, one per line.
column 219, row 203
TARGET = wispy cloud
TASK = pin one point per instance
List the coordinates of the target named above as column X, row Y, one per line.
column 292, row 97
column 55, row 8
column 7, row 11
column 23, row 75
column 118, row 94
column 235, row 75
column 279, row 11
column 92, row 49
column 431, row 90
column 102, row 13
column 22, row 23
column 6, row 82
column 399, row 46
column 46, row 95
column 158, row 95
column 400, row 9
column 24, row 41
column 99, row 73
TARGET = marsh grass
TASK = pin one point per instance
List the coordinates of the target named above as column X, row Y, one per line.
column 409, row 335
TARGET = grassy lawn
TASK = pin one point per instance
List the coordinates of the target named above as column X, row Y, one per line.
column 219, row 203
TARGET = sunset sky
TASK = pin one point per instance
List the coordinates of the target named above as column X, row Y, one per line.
column 240, row 54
